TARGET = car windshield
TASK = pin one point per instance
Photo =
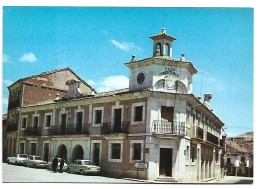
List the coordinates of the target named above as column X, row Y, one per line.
column 89, row 163
column 37, row 158
column 22, row 156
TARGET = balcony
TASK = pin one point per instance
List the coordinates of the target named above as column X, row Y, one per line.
column 69, row 130
column 212, row 139
column 111, row 127
column 32, row 131
column 197, row 132
column 167, row 127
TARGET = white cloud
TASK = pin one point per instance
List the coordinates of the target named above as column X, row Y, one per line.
column 8, row 82
column 110, row 83
column 6, row 58
column 125, row 46
column 28, row 57
column 5, row 101
column 90, row 82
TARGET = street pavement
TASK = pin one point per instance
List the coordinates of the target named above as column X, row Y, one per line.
column 232, row 180
column 14, row 173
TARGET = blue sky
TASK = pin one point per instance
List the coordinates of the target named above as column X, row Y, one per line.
column 95, row 42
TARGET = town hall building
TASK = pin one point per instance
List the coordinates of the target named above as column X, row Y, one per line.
column 156, row 129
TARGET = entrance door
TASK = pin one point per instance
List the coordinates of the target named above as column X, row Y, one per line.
column 165, row 162
column 79, row 122
column 63, row 123
column 96, row 153
column 46, row 152
column 117, row 120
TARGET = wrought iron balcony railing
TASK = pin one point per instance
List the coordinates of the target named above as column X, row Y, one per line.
column 197, row 132
column 69, row 130
column 212, row 139
column 32, row 131
column 167, row 127
column 112, row 127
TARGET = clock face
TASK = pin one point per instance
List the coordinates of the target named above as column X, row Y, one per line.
column 140, row 78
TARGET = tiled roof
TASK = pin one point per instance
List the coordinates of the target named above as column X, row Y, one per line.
column 162, row 34
column 239, row 145
column 111, row 93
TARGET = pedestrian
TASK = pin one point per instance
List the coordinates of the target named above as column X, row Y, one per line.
column 55, row 164
column 62, row 161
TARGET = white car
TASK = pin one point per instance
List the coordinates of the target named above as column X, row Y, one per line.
column 83, row 166
column 35, row 161
column 17, row 159
column 49, row 166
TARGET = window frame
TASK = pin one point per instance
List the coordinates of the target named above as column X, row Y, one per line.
column 45, row 120
column 30, row 149
column 134, row 105
column 94, row 124
column 24, row 143
column 33, row 117
column 132, row 142
column 110, row 151
column 26, row 122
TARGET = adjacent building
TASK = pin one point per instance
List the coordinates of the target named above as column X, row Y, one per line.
column 239, row 155
column 36, row 89
column 156, row 129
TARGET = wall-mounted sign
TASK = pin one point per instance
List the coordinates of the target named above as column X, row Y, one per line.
column 141, row 165
column 169, row 70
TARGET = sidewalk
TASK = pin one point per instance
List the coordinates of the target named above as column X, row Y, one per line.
column 233, row 180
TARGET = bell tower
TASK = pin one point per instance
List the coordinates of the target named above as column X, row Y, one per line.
column 162, row 44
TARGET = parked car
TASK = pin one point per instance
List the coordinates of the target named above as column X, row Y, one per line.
column 35, row 161
column 83, row 166
column 17, row 159
column 49, row 165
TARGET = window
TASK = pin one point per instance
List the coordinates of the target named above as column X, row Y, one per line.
column 48, row 120
column 138, row 113
column 137, row 151
column 24, row 122
column 98, row 117
column 33, row 149
column 115, row 151
column 243, row 160
column 35, row 121
column 116, row 148
column 188, row 153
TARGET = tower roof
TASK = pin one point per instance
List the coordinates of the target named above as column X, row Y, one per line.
column 162, row 35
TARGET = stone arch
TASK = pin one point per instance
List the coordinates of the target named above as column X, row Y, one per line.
column 62, row 152
column 158, row 47
column 167, row 49
column 181, row 87
column 77, row 153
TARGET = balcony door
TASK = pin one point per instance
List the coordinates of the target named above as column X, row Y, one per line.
column 63, row 122
column 79, row 121
column 167, row 113
column 96, row 153
column 117, row 120
column 46, row 148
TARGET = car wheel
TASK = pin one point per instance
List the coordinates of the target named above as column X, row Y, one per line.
column 68, row 170
column 81, row 172
column 25, row 164
column 8, row 161
column 34, row 165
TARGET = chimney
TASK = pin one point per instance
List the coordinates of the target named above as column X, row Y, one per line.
column 199, row 97
column 74, row 90
column 182, row 57
column 57, row 96
column 207, row 97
